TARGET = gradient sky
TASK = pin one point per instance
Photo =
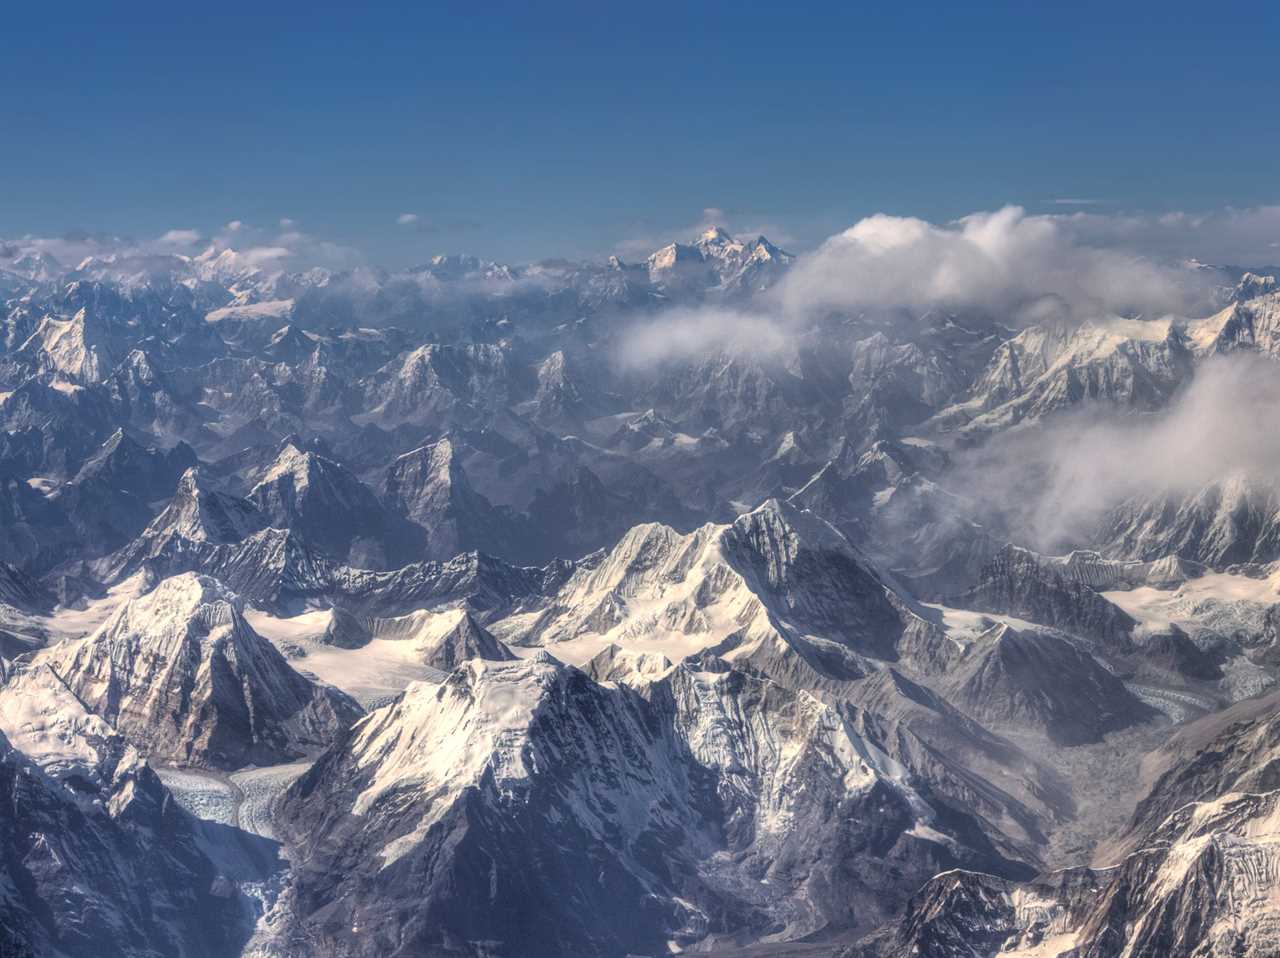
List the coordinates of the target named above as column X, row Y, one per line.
column 524, row 130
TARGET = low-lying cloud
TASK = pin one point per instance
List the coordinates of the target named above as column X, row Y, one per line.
column 679, row 334
column 1052, row 484
column 280, row 247
column 1020, row 268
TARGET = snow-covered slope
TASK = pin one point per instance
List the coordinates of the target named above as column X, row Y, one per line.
column 441, row 640
column 180, row 673
column 707, row 804
column 1130, row 364
column 778, row 587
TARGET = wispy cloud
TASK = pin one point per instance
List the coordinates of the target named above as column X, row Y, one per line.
column 1074, row 201
column 180, row 238
column 407, row 219
column 690, row 333
column 1049, row 486
column 1022, row 266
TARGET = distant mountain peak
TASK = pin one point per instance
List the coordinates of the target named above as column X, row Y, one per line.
column 715, row 235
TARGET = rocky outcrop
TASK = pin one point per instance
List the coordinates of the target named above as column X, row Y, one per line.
column 1014, row 582
column 332, row 510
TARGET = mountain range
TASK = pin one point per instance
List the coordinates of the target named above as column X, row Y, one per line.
column 437, row 612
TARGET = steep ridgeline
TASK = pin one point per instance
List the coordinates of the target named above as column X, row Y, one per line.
column 1196, row 873
column 184, row 678
column 1232, row 520
column 22, row 591
column 198, row 514
column 1047, row 369
column 779, row 588
column 716, row 259
column 1011, row 678
column 523, row 809
column 1122, row 363
column 276, row 569
column 96, row 859
column 440, row 386
column 108, row 502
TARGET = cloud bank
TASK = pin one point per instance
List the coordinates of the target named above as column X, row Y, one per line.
column 1020, row 268
column 1051, row 485
column 284, row 246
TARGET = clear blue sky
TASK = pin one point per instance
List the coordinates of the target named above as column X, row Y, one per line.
column 522, row 130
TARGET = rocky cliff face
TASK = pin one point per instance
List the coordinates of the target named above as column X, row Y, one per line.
column 95, row 857
column 1193, row 875
column 429, row 487
column 616, row 819
column 333, row 511
column 1229, row 521
column 1015, row 583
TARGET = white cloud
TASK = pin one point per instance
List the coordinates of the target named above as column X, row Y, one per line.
column 1003, row 261
column 407, row 219
column 286, row 247
column 266, row 256
column 686, row 333
column 1051, row 484
column 1020, row 268
column 1074, row 201
column 1238, row 236
column 180, row 238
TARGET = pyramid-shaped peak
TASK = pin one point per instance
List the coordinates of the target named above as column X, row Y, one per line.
column 181, row 674
column 715, row 235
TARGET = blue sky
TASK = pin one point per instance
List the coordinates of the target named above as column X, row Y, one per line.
column 524, row 130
